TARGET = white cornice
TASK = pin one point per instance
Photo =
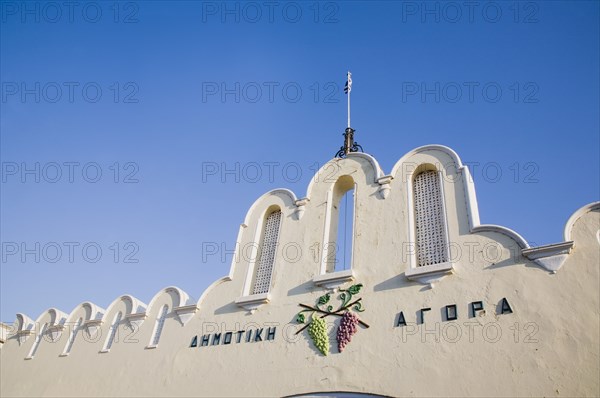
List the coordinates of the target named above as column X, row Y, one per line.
column 550, row 257
column 333, row 279
column 253, row 301
column 534, row 253
column 186, row 312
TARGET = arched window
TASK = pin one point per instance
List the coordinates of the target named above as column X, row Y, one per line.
column 112, row 334
column 429, row 219
column 345, row 232
column 268, row 248
column 160, row 323
column 72, row 336
column 38, row 340
column 339, row 231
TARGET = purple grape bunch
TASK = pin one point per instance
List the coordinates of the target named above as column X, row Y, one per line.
column 348, row 327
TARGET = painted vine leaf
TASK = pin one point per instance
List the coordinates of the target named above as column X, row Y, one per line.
column 355, row 289
column 324, row 299
column 347, row 294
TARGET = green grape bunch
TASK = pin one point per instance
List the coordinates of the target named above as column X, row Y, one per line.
column 318, row 333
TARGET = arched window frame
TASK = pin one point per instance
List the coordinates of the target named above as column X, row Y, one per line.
column 426, row 273
column 328, row 277
column 76, row 328
column 158, row 326
column 257, row 252
column 113, row 332
column 36, row 343
column 250, row 300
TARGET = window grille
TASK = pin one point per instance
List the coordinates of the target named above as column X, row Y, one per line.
column 262, row 282
column 113, row 331
column 160, row 322
column 429, row 219
column 73, row 335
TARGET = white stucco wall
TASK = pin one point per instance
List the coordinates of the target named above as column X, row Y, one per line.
column 548, row 345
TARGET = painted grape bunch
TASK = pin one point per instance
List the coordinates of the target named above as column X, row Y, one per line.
column 318, row 333
column 317, row 327
column 348, row 327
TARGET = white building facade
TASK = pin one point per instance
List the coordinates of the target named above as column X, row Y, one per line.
column 428, row 302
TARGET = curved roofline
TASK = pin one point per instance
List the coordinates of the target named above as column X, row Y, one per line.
column 213, row 285
column 183, row 297
column 575, row 216
column 470, row 195
column 502, row 230
column 24, row 322
column 94, row 310
column 378, row 171
column 431, row 147
column 272, row 192
column 135, row 304
column 56, row 316
column 374, row 164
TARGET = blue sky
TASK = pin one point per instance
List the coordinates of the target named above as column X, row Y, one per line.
column 191, row 110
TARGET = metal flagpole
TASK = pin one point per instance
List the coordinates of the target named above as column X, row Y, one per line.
column 349, row 83
column 349, row 144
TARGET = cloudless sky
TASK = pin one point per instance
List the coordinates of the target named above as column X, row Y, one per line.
column 192, row 110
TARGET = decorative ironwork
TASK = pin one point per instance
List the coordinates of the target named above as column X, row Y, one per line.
column 323, row 306
column 349, row 144
column 262, row 281
column 429, row 219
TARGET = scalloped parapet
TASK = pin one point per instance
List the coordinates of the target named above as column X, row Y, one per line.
column 195, row 345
